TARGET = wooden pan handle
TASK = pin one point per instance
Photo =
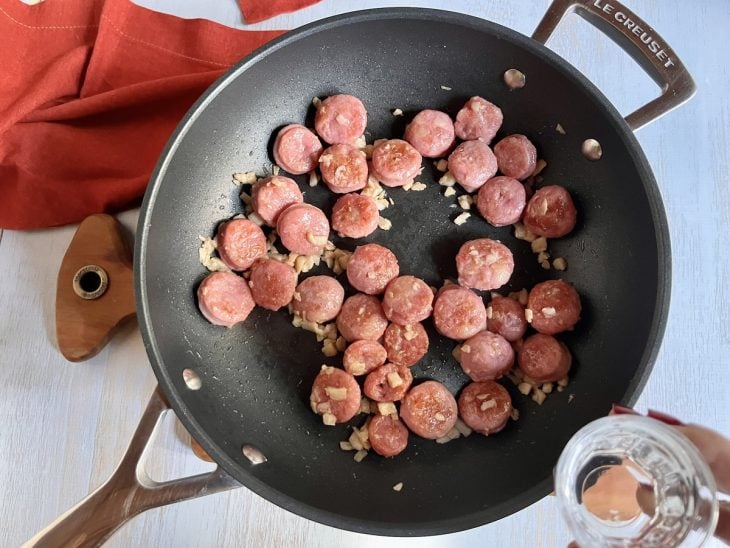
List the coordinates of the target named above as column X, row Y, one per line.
column 95, row 292
column 128, row 492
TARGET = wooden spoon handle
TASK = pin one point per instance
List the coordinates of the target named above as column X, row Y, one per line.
column 95, row 291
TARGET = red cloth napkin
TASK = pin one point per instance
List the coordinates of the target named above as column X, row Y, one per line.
column 90, row 91
column 260, row 10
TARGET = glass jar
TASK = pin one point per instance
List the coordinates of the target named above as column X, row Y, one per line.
column 631, row 481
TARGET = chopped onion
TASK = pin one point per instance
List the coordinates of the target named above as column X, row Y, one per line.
column 336, row 393
column 387, row 408
column 394, row 380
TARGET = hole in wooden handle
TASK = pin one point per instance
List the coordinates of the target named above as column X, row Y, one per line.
column 90, row 282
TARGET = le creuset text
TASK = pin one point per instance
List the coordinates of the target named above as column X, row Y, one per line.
column 631, row 25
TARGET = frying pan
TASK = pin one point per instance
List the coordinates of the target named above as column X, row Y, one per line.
column 250, row 410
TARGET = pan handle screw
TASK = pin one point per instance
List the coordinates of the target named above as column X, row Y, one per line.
column 192, row 379
column 591, row 149
column 253, row 454
column 514, row 79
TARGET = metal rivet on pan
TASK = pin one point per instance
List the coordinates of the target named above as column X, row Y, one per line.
column 192, row 380
column 591, row 149
column 514, row 79
column 253, row 454
column 90, row 282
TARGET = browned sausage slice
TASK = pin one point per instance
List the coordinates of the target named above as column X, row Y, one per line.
column 318, row 299
column 555, row 307
column 362, row 357
column 431, row 132
column 395, row 162
column 240, row 243
column 506, row 317
column 472, row 164
column 355, row 216
column 344, row 168
column 303, row 229
column 388, row 436
column 406, row 345
column 501, row 201
column 516, row 156
column 361, row 317
column 550, row 212
column 272, row 195
column 485, row 407
column 272, row 283
column 543, row 358
column 371, row 267
column 459, row 313
column 389, row 382
column 225, row 299
column 340, row 119
column 407, row 300
column 297, row 149
column 429, row 410
column 486, row 356
column 478, row 119
column 484, row 264
column 335, row 395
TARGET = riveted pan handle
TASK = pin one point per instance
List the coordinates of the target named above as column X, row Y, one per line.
column 128, row 492
column 640, row 41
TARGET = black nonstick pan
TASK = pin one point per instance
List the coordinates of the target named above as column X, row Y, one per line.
column 255, row 378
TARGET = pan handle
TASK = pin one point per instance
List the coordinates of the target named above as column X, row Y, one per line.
column 640, row 41
column 128, row 492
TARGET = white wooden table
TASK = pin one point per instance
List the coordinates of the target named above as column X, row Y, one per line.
column 64, row 426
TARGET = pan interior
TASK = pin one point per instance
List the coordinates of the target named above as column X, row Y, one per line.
column 256, row 377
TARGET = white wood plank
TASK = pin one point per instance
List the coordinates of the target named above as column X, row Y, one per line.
column 64, row 426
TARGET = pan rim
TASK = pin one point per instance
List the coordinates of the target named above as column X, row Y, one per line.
column 544, row 54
